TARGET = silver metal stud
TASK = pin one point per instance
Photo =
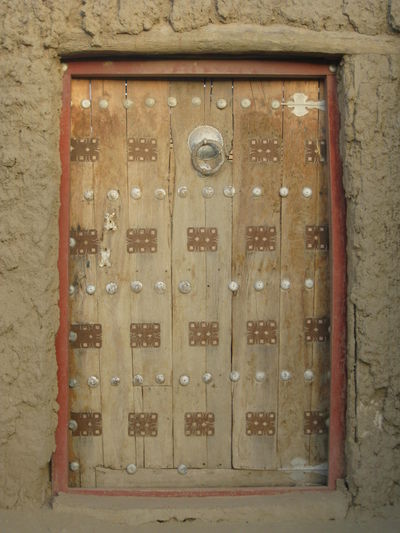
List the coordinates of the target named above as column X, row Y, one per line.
column 109, row 222
column 150, row 102
column 285, row 375
column 131, row 468
column 105, row 258
column 72, row 336
column 182, row 469
column 64, row 67
column 160, row 287
column 138, row 379
column 184, row 380
column 71, row 290
column 309, row 283
column 85, row 104
column 207, row 377
column 233, row 286
column 196, row 101
column 257, row 191
column 207, row 192
column 128, row 103
column 136, row 286
column 103, row 104
column 308, row 374
column 72, row 383
column 185, row 286
column 136, row 193
column 307, row 192
column 172, row 101
column 111, row 287
column 113, row 194
column 259, row 285
column 285, row 284
column 183, row 191
column 160, row 379
column 88, row 195
column 275, row 104
column 72, row 242
column 245, row 103
column 160, row 194
column 260, row 376
column 234, row 376
column 74, row 466
column 115, row 380
column 332, row 68
column 73, row 425
column 229, row 191
column 283, row 192
column 221, row 103
column 93, row 381
column 90, row 289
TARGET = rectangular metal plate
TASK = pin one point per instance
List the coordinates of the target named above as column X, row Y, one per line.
column 199, row 424
column 317, row 329
column 260, row 238
column 202, row 239
column 89, row 424
column 143, row 424
column 317, row 238
column 203, row 333
column 88, row 335
column 260, row 423
column 141, row 240
column 315, row 151
column 265, row 150
column 84, row 150
column 86, row 242
column 314, row 423
column 142, row 149
column 261, row 332
column 145, row 335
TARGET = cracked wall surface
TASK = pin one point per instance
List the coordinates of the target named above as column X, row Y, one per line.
column 34, row 36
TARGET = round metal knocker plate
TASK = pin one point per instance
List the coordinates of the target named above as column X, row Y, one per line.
column 206, row 146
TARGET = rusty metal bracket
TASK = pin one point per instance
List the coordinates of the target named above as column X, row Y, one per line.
column 87, row 335
column 260, row 423
column 202, row 239
column 199, row 424
column 261, row 332
column 203, row 333
column 315, row 423
column 265, row 150
column 317, row 238
column 317, row 329
column 141, row 240
column 89, row 424
column 260, row 238
column 143, row 424
column 142, row 149
column 145, row 335
column 84, row 150
column 315, row 151
column 86, row 241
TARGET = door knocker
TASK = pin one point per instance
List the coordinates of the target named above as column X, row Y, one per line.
column 206, row 146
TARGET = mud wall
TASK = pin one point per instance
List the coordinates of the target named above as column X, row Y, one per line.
column 35, row 34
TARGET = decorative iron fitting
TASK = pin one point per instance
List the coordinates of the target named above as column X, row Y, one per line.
column 86, row 336
column 142, row 149
column 300, row 104
column 86, row 424
column 142, row 424
column 199, row 424
column 314, row 423
column 260, row 423
column 203, row 333
column 145, row 335
column 84, row 150
column 83, row 241
column 206, row 146
column 202, row 239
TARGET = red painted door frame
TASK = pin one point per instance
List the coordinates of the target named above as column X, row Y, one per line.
column 217, row 69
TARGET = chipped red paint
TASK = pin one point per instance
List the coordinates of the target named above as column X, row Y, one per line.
column 221, row 69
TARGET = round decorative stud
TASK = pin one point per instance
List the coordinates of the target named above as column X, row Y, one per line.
column 229, row 191
column 221, row 103
column 128, row 103
column 207, row 192
column 196, row 101
column 136, row 286
column 103, row 104
column 160, row 194
column 182, row 470
column 90, row 289
column 283, row 192
column 113, row 194
column 307, row 192
column 85, row 104
column 309, row 283
column 285, row 284
column 138, row 379
column 72, row 336
column 93, row 381
column 71, row 290
column 275, row 104
column 260, row 376
column 259, row 285
column 245, row 103
column 160, row 379
column 332, row 68
column 88, row 195
column 74, row 466
column 160, row 287
column 308, row 374
column 185, row 286
column 115, row 380
column 150, row 102
column 183, row 191
column 111, row 287
column 184, row 380
column 233, row 286
column 73, row 425
column 285, row 375
column 257, row 191
column 72, row 383
column 234, row 376
column 172, row 101
column 207, row 377
column 131, row 468
column 64, row 67
column 136, row 193
column 72, row 242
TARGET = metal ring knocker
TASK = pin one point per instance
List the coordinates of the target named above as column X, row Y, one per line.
column 206, row 146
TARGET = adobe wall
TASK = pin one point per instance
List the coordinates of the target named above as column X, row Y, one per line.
column 34, row 35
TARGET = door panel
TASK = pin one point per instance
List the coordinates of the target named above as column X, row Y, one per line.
column 179, row 377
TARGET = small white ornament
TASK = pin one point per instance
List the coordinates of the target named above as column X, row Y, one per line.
column 93, row 381
column 259, row 285
column 73, row 425
column 136, row 193
column 72, row 242
column 183, row 191
column 245, row 103
column 103, row 104
column 72, row 336
column 308, row 374
column 105, row 258
column 257, row 191
column 150, row 102
column 88, row 195
column 113, row 194
column 128, row 103
column 309, row 283
column 74, row 466
column 184, row 380
column 72, row 383
column 207, row 377
column 283, row 192
column 160, row 194
column 71, row 290
column 285, row 375
column 196, row 101
column 160, row 287
column 185, row 286
column 207, row 192
column 172, row 101
column 221, row 103
column 260, row 376
column 160, row 379
column 234, row 376
column 332, row 68
column 131, row 468
column 138, row 379
column 115, row 380
column 111, row 287
column 109, row 222
column 233, row 286
column 90, row 289
column 136, row 286
column 85, row 104
column 307, row 192
column 182, row 469
column 285, row 284
column 275, row 104
column 229, row 191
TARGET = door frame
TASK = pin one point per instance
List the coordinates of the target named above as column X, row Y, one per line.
column 216, row 68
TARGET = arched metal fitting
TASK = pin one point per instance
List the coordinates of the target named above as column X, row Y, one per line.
column 136, row 286
column 160, row 287
column 182, row 469
column 183, row 191
column 73, row 425
column 233, row 286
column 136, row 193
column 309, row 283
column 160, row 379
column 138, row 379
column 74, row 466
column 131, row 468
column 207, row 377
column 115, row 380
column 111, row 287
column 93, row 382
column 184, row 380
column 308, row 374
column 206, row 146
column 113, row 194
column 234, row 376
column 185, row 286
column 229, row 191
column 285, row 375
column 285, row 284
column 260, row 376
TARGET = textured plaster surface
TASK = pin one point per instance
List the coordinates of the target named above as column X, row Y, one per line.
column 33, row 36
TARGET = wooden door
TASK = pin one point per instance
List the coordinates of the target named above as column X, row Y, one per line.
column 199, row 284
